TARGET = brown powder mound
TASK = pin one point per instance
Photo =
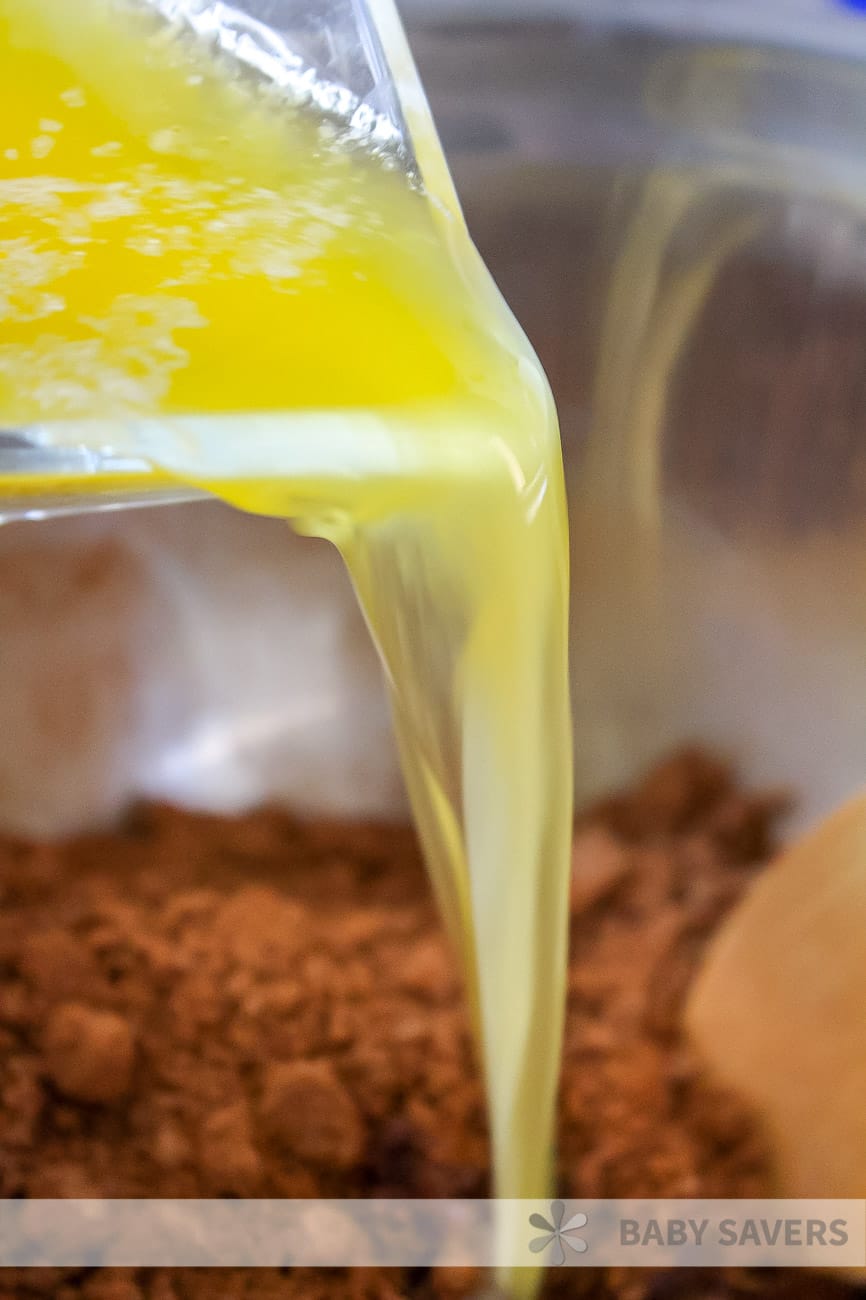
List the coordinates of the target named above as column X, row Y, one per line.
column 197, row 1006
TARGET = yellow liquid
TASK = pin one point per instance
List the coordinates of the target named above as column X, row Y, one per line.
column 197, row 276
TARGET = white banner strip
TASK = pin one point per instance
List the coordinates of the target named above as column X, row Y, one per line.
column 392, row 1233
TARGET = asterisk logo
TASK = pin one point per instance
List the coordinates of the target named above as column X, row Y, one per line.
column 558, row 1235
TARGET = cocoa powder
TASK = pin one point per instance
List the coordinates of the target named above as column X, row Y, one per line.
column 196, row 1006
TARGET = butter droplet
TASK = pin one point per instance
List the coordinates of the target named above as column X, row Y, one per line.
column 165, row 141
column 74, row 97
column 42, row 145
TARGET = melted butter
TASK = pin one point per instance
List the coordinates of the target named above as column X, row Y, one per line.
column 197, row 276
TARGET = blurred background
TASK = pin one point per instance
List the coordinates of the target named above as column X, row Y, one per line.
column 670, row 196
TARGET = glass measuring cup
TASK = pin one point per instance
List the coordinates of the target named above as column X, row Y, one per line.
column 349, row 63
